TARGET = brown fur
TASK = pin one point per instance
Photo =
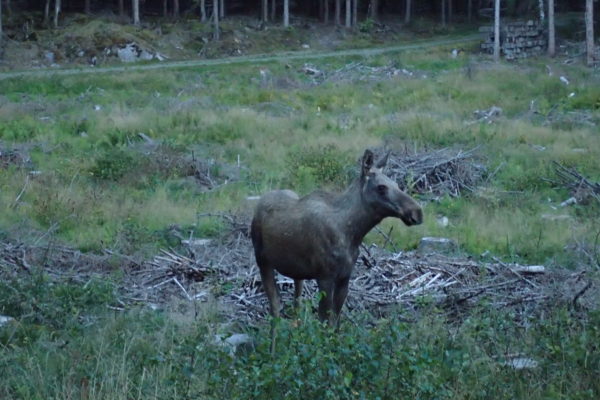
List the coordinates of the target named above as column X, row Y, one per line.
column 317, row 236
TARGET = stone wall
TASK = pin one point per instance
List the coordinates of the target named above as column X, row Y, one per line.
column 517, row 39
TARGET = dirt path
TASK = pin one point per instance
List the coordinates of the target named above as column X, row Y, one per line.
column 251, row 59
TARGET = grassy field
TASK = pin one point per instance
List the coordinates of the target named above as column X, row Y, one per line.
column 99, row 185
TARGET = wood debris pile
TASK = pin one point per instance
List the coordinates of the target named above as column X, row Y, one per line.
column 439, row 172
column 382, row 281
column 582, row 189
column 356, row 71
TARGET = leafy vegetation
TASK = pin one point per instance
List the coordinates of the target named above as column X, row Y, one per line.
column 91, row 183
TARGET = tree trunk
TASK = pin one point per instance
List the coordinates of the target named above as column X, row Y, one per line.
column 87, row 8
column 443, row 13
column 0, row 22
column 175, row 8
column 202, row 10
column 348, row 13
column 217, row 35
column 121, row 8
column 326, row 12
column 9, row 11
column 286, row 13
column 589, row 31
column 135, row 10
column 497, row 30
column 407, row 12
column 165, row 8
column 551, row 31
column 338, row 11
column 46, row 13
column 222, row 9
column 541, row 7
column 354, row 12
column 56, row 12
column 375, row 10
column 265, row 10
column 449, row 11
column 470, row 10
column 273, row 10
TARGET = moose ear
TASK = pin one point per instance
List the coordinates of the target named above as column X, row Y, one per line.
column 367, row 162
column 383, row 161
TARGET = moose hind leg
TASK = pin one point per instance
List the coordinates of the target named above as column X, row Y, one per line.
column 267, row 276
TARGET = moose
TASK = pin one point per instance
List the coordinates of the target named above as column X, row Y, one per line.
column 318, row 236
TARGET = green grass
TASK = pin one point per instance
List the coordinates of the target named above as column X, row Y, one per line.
column 65, row 343
column 100, row 187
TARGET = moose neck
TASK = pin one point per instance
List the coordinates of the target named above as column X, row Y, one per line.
column 357, row 217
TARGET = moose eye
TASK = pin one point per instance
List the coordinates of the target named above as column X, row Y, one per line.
column 382, row 189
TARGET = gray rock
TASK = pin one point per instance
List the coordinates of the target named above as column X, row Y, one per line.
column 145, row 56
column 236, row 342
column 49, row 56
column 429, row 245
column 5, row 320
column 128, row 53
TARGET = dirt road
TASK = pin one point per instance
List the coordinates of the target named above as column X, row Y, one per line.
column 250, row 59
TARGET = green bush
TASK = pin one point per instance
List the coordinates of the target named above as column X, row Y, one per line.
column 312, row 167
column 112, row 165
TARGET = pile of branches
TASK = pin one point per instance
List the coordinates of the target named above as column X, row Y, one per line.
column 438, row 173
column 581, row 188
column 388, row 280
column 356, row 71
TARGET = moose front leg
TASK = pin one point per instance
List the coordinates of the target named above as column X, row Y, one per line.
column 326, row 287
column 298, row 284
column 339, row 297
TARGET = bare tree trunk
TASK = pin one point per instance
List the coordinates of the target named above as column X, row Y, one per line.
column 407, row 12
column 541, row 7
column 497, row 30
column 47, row 13
column 175, row 8
column 338, row 11
column 0, row 22
column 165, row 8
column 449, row 11
column 222, row 9
column 217, row 35
column 121, row 8
column 375, row 10
column 265, row 10
column 326, row 12
column 470, row 10
column 87, row 8
column 348, row 13
column 9, row 11
column 286, row 13
column 135, row 10
column 56, row 12
column 202, row 10
column 551, row 31
column 443, row 13
column 589, row 31
column 354, row 12
column 273, row 9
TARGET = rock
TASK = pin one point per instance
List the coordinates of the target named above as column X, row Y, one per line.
column 5, row 320
column 236, row 342
column 145, row 56
column 128, row 53
column 305, row 46
column 429, row 245
column 49, row 56
column 443, row 221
